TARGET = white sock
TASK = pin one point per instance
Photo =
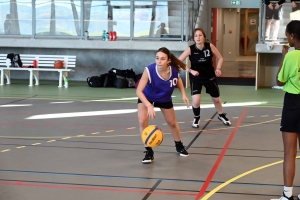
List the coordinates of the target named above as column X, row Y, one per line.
column 288, row 191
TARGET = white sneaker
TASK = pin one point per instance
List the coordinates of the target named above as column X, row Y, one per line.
column 196, row 125
column 283, row 197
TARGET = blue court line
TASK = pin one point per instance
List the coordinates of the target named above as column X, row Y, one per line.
column 135, row 178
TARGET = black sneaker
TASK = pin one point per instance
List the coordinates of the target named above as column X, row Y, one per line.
column 283, row 197
column 149, row 156
column 181, row 150
column 196, row 122
column 224, row 119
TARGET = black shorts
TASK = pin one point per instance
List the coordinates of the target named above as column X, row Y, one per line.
column 290, row 119
column 212, row 87
column 273, row 14
column 165, row 105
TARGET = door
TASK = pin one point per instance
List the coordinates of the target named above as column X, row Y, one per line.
column 250, row 31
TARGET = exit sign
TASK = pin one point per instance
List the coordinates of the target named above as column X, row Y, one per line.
column 236, row 2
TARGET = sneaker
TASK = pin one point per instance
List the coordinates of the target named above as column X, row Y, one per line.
column 224, row 119
column 181, row 150
column 298, row 196
column 149, row 156
column 196, row 122
column 283, row 197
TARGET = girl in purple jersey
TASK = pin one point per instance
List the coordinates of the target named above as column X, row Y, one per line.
column 155, row 89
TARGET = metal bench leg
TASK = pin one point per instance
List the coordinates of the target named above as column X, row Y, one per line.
column 36, row 77
column 7, row 76
column 2, row 77
column 30, row 78
column 60, row 79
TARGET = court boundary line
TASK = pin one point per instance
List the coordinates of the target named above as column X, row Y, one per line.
column 219, row 159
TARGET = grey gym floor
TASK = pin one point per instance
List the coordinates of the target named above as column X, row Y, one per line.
column 69, row 144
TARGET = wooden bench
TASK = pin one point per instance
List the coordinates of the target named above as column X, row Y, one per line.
column 44, row 63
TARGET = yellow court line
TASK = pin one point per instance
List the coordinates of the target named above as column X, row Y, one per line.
column 36, row 144
column 65, row 138
column 5, row 150
column 131, row 128
column 95, row 133
column 216, row 129
column 51, row 140
column 20, row 147
column 212, row 192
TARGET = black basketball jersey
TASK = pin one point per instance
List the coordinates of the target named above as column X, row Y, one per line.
column 201, row 61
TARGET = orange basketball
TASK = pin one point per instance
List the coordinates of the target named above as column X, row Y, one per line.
column 152, row 136
column 58, row 64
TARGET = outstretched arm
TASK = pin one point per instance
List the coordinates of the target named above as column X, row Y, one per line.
column 139, row 92
column 182, row 90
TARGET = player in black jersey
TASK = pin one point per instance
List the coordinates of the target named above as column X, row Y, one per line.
column 202, row 73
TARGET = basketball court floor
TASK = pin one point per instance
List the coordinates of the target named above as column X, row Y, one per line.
column 84, row 143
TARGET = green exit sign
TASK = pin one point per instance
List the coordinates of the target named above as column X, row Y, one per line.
column 236, row 2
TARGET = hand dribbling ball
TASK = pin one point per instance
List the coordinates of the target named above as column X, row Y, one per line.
column 152, row 136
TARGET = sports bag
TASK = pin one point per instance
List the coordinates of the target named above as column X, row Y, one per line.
column 109, row 80
column 94, row 81
column 120, row 82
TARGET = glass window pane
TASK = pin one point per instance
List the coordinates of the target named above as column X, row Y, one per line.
column 142, row 20
column 58, row 18
column 16, row 17
column 108, row 16
column 96, row 17
column 120, row 18
column 151, row 19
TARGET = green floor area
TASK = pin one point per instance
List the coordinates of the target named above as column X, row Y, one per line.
column 79, row 90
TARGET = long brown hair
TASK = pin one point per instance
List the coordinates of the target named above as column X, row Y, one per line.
column 202, row 31
column 174, row 60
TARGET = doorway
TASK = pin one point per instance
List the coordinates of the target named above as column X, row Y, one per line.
column 230, row 27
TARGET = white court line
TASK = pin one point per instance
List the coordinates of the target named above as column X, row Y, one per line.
column 125, row 111
column 62, row 102
column 81, row 114
column 120, row 99
column 15, row 105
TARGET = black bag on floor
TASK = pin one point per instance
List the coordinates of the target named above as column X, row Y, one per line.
column 94, row 81
column 120, row 82
column 109, row 80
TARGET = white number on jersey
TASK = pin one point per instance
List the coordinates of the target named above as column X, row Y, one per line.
column 206, row 53
column 173, row 82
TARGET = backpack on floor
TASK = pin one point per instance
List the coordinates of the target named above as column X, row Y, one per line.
column 94, row 81
column 109, row 80
column 120, row 82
